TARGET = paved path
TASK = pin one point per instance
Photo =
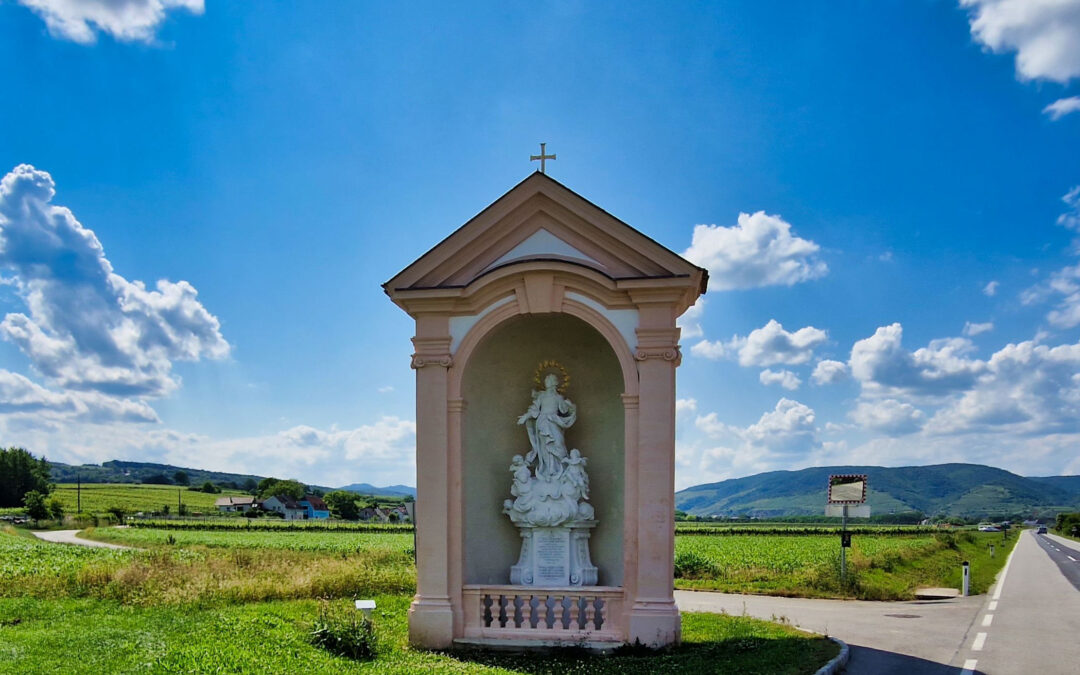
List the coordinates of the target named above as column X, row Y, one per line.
column 1033, row 610
column 68, row 537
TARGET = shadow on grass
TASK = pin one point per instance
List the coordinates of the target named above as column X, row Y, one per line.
column 744, row 655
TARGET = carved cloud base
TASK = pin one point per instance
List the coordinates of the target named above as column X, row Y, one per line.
column 555, row 556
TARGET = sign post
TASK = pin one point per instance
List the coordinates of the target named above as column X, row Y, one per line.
column 846, row 496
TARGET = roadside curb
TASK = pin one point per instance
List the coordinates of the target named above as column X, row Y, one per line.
column 838, row 662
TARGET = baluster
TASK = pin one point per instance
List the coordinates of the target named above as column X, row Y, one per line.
column 502, row 611
column 485, row 610
column 575, row 612
column 600, row 618
column 527, row 614
column 590, row 615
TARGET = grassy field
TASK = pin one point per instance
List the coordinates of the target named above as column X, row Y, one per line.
column 99, row 497
column 245, row 606
column 880, row 567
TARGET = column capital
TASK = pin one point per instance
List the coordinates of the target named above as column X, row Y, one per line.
column 431, row 351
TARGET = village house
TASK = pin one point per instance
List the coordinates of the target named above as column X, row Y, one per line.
column 235, row 504
column 286, row 506
column 316, row 507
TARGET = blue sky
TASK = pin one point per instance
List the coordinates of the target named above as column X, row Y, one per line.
column 885, row 195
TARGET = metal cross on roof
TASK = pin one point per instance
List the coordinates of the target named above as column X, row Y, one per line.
column 542, row 157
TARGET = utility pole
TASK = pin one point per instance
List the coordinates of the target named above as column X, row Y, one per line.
column 78, row 492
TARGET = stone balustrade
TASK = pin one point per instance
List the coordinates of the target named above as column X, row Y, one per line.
column 563, row 614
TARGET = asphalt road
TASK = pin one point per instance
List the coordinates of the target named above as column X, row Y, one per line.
column 68, row 537
column 1033, row 624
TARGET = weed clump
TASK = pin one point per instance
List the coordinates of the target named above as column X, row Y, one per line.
column 344, row 633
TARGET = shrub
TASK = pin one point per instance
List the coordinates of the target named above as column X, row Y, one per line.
column 692, row 565
column 345, row 633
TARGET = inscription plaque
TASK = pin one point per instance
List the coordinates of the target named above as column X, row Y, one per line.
column 551, row 556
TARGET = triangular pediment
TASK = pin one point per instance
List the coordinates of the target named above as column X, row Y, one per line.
column 541, row 219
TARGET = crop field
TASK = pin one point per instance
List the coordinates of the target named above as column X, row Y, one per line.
column 268, row 524
column 313, row 541
column 22, row 557
column 100, row 497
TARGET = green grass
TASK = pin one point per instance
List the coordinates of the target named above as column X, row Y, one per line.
column 94, row 636
column 100, row 497
column 879, row 567
column 323, row 542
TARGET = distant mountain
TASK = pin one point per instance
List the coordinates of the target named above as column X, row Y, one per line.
column 969, row 490
column 388, row 491
column 119, row 471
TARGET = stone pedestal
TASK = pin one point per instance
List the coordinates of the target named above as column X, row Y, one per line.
column 555, row 556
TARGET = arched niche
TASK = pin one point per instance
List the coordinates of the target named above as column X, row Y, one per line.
column 495, row 386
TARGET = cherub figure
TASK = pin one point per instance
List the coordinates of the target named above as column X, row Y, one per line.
column 574, row 473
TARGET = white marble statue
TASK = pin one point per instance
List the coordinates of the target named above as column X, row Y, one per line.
column 545, row 420
column 550, row 503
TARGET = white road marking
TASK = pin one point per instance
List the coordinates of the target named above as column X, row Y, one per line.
column 1001, row 579
column 980, row 640
column 987, row 620
column 1072, row 558
column 969, row 667
column 993, row 605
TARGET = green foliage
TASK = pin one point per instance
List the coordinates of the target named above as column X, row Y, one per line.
column 342, row 504
column 181, row 478
column 273, row 487
column 21, row 473
column 210, row 489
column 1068, row 524
column 34, row 502
column 312, row 541
column 693, row 565
column 98, row 497
column 345, row 633
column 56, row 508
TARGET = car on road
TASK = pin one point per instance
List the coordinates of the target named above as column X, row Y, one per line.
column 1040, row 530
column 989, row 528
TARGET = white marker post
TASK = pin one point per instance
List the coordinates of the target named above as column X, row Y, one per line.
column 967, row 579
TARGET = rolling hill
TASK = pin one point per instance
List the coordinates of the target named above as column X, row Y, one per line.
column 967, row 490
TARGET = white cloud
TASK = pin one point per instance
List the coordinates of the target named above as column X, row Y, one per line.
column 882, row 365
column 1028, row 388
column 1062, row 107
column 125, row 20
column 973, row 329
column 386, row 390
column 787, row 429
column 990, row 289
column 769, row 345
column 785, row 378
column 382, row 452
column 89, row 328
column 888, row 416
column 1071, row 218
column 829, row 372
column 1045, row 34
column 685, row 406
column 759, row 251
column 19, row 395
column 690, row 321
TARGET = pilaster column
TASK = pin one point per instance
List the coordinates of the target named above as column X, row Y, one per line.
column 431, row 621
column 654, row 617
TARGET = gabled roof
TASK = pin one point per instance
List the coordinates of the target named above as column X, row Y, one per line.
column 316, row 502
column 542, row 219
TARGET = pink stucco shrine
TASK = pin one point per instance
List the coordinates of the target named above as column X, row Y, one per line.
column 543, row 278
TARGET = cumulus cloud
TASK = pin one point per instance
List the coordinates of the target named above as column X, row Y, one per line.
column 973, row 329
column 1071, row 218
column 1045, row 34
column 829, row 372
column 1026, row 387
column 759, row 251
column 1062, row 107
column 125, row 20
column 769, row 345
column 381, row 452
column 882, row 365
column 888, row 416
column 785, row 378
column 690, row 321
column 88, row 328
column 990, row 289
column 685, row 406
column 20, row 396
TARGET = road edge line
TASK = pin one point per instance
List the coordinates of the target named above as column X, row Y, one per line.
column 838, row 661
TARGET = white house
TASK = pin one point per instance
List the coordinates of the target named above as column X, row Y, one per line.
column 235, row 504
column 286, row 506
